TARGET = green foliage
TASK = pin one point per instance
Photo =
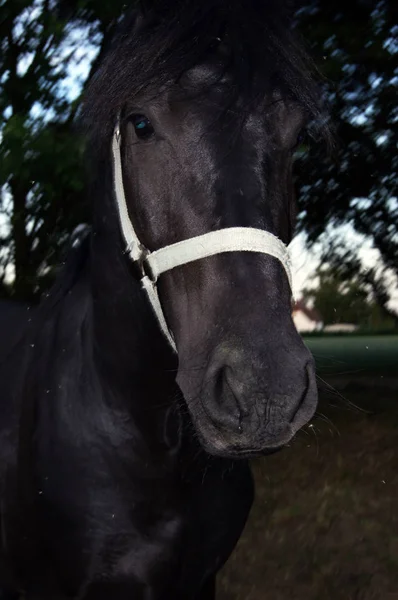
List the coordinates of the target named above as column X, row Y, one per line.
column 356, row 45
column 42, row 168
column 41, row 157
column 339, row 299
column 344, row 262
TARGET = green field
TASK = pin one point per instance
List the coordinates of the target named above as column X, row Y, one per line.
column 362, row 355
column 324, row 525
column 325, row 522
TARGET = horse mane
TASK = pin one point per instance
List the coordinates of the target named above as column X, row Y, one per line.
column 166, row 39
column 73, row 269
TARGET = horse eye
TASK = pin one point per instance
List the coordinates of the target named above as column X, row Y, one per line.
column 142, row 126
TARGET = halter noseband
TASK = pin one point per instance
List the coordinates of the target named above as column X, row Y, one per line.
column 153, row 264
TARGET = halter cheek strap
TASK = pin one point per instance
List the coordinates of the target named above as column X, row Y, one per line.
column 153, row 264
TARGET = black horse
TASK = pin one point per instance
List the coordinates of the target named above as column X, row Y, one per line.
column 119, row 472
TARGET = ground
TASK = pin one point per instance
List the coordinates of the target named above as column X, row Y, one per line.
column 325, row 522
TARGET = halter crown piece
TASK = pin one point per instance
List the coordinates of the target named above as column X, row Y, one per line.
column 153, row 264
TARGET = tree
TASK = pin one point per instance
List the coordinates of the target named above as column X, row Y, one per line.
column 346, row 266
column 41, row 168
column 339, row 299
column 356, row 44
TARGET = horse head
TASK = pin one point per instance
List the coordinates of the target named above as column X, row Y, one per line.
column 211, row 108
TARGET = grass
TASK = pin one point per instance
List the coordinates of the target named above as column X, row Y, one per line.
column 325, row 522
column 362, row 355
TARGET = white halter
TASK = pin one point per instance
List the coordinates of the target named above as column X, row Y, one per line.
column 153, row 264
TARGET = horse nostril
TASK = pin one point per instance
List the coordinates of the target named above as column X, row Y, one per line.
column 307, row 403
column 222, row 404
column 219, row 383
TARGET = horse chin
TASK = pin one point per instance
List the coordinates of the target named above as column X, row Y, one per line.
column 234, row 446
column 243, row 454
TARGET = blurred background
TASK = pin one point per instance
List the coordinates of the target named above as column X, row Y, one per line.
column 325, row 522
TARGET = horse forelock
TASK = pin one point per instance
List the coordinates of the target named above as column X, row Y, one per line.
column 157, row 45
